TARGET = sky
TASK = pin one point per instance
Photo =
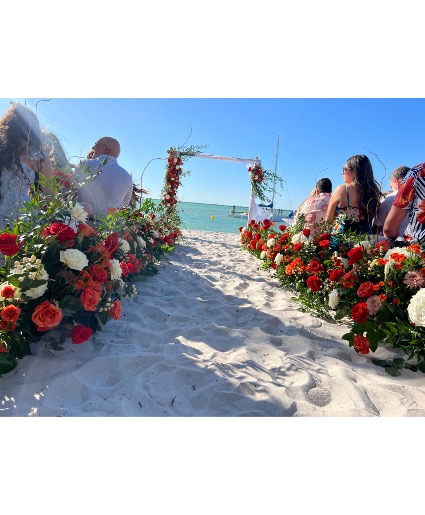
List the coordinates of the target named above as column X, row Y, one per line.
column 316, row 136
column 332, row 79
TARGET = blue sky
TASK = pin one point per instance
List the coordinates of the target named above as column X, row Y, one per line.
column 316, row 136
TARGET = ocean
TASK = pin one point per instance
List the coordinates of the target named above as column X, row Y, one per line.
column 210, row 217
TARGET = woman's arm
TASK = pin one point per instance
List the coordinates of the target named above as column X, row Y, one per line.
column 334, row 203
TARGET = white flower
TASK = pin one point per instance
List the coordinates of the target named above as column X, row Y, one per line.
column 333, row 299
column 367, row 244
column 305, row 239
column 296, row 238
column 278, row 259
column 38, row 291
column 263, row 254
column 141, row 242
column 78, row 213
column 156, row 235
column 416, row 308
column 124, row 245
column 270, row 242
column 74, row 258
column 115, row 269
column 344, row 261
column 388, row 267
column 398, row 250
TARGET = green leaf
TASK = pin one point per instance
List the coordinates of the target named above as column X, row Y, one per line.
column 393, row 371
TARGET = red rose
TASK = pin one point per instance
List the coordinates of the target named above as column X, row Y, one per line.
column 8, row 245
column 282, row 227
column 80, row 333
column 297, row 247
column 324, row 236
column 324, row 244
column 90, row 298
column 306, row 232
column 383, row 246
column 315, row 266
column 366, row 289
column 10, row 313
column 361, row 344
column 46, row 316
column 98, row 273
column 115, row 311
column 60, row 231
column 7, row 326
column 355, row 255
column 314, row 283
column 7, row 292
column 111, row 243
column 334, row 275
column 359, row 312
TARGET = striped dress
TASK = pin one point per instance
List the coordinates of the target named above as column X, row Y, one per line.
column 411, row 196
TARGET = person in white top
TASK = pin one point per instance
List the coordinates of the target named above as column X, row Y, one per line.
column 396, row 180
column 106, row 184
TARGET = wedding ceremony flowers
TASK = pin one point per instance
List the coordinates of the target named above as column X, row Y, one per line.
column 379, row 292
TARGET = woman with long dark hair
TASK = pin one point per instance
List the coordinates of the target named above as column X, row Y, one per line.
column 21, row 160
column 354, row 204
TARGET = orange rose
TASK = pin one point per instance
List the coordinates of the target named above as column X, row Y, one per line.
column 115, row 311
column 46, row 316
column 10, row 313
column 90, row 298
column 98, row 273
column 86, row 230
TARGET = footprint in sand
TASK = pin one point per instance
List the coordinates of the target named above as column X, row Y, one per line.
column 319, row 396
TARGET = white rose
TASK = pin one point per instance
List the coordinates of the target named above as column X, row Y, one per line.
column 35, row 293
column 296, row 238
column 416, row 308
column 367, row 244
column 141, row 242
column 124, row 245
column 115, row 269
column 78, row 213
column 263, row 254
column 270, row 242
column 74, row 258
column 333, row 299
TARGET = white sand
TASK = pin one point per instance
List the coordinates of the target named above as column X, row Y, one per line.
column 210, row 335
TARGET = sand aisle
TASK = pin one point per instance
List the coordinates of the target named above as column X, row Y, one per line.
column 210, row 335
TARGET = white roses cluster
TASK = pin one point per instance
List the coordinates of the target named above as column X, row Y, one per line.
column 416, row 308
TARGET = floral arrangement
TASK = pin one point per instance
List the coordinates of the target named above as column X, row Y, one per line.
column 377, row 290
column 64, row 278
column 260, row 181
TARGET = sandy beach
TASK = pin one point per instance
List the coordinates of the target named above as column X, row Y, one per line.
column 211, row 335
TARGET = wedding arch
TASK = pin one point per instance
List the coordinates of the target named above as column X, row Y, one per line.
column 259, row 179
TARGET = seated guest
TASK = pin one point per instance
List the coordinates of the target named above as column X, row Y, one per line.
column 111, row 187
column 354, row 204
column 410, row 198
column 21, row 160
column 315, row 206
column 396, row 180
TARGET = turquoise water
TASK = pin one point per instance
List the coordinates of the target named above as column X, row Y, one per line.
column 210, row 217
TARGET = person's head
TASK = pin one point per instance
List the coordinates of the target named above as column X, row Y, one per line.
column 397, row 176
column 324, row 185
column 19, row 134
column 359, row 172
column 106, row 145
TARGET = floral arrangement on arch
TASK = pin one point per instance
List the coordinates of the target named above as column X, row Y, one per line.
column 260, row 181
column 63, row 278
column 377, row 290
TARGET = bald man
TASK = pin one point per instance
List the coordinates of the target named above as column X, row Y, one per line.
column 107, row 184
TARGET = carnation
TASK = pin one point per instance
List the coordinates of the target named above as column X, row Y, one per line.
column 278, row 259
column 115, row 269
column 78, row 213
column 416, row 308
column 74, row 258
column 373, row 304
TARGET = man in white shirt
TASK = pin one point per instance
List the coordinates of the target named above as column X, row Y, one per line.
column 107, row 185
column 396, row 180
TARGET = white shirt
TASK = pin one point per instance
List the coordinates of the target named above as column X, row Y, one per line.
column 111, row 188
column 384, row 209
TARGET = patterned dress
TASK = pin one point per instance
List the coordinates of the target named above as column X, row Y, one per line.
column 411, row 196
